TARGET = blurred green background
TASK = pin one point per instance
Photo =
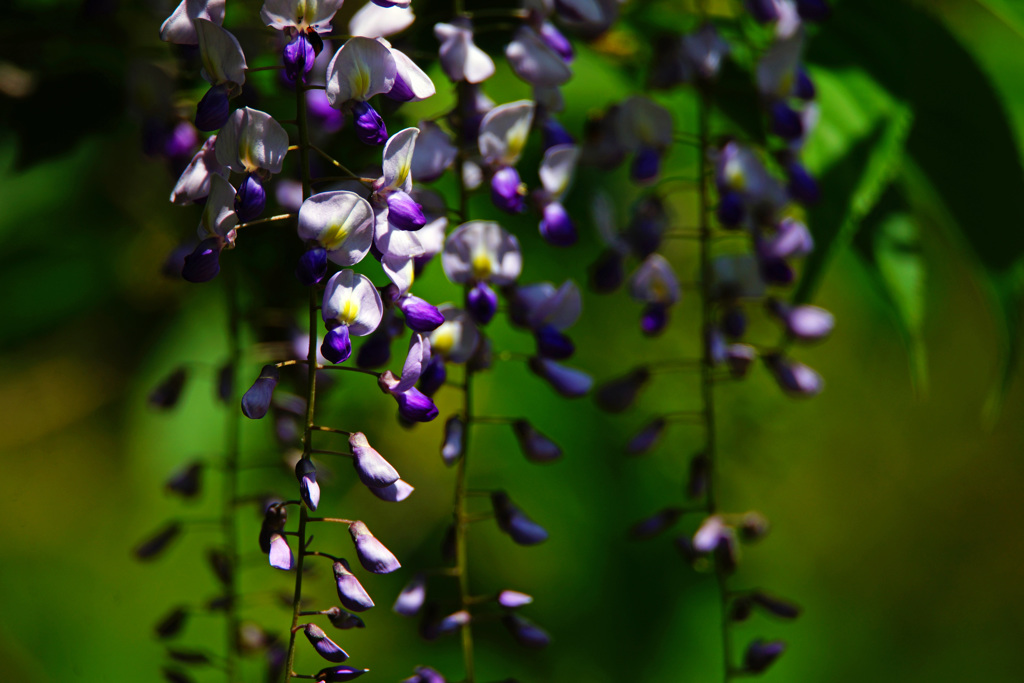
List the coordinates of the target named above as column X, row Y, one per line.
column 894, row 496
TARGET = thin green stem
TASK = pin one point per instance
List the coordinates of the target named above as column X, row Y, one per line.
column 230, row 482
column 307, row 441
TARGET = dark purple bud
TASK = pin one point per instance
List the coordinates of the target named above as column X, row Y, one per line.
column 158, row 542
column 775, row 271
column 647, row 438
column 410, row 600
column 171, row 625
column 655, row 524
column 761, row 653
column 514, row 521
column 404, row 212
column 556, row 227
column 764, row 11
column 741, row 608
column 794, row 378
column 607, row 272
column 424, row 674
column 813, row 10
column 513, row 599
column 371, row 467
column 415, row 406
column 700, row 472
column 454, row 432
column 220, row 563
column 434, row 376
column 507, row 191
column 481, row 302
column 647, row 226
column 312, row 266
column 395, row 493
column 251, row 199
column 802, row 186
column 324, row 646
column 168, row 392
column 375, row 350
column 372, row 554
column 553, row 344
column 616, row 395
column 344, row 620
column 336, row 674
column 337, row 346
column 556, row 41
column 776, row 606
column 535, row 446
column 194, row 657
column 203, row 264
column 274, row 519
column 420, row 316
column 452, row 623
column 791, row 239
column 186, row 481
column 350, row 592
column 213, row 110
column 730, row 211
column 256, row 401
column 299, row 56
column 654, row 319
column 804, row 86
column 646, row 165
column 555, row 133
column 785, row 122
column 734, row 322
column 281, row 553
column 740, row 357
column 370, row 127
column 526, row 632
column 568, row 382
column 753, row 527
column 309, row 489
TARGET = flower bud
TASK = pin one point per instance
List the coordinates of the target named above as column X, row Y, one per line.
column 305, row 472
column 802, row 186
column 372, row 554
column 256, row 400
column 324, row 646
column 556, row 227
column 376, row 350
column 761, row 653
column 785, row 122
column 404, row 213
column 168, row 392
column 481, row 302
column 424, row 674
column 415, row 406
column 775, row 606
column 274, row 519
column 739, row 357
column 654, row 319
column 568, row 382
column 420, row 316
column 251, row 199
column 508, row 192
column 299, row 57
column 312, row 266
column 730, row 211
column 452, row 623
column 615, row 396
column 794, row 378
column 454, row 434
column 370, row 128
column 186, row 481
column 203, row 264
column 373, row 470
column 213, row 110
column 412, row 597
column 171, row 625
column 526, row 632
column 343, row 620
column 535, row 446
column 734, row 322
column 513, row 599
column 336, row 674
column 514, row 521
column 280, row 553
column 158, row 542
column 337, row 345
column 646, row 165
column 655, row 524
column 804, row 323
column 647, row 437
column 350, row 592
column 395, row 493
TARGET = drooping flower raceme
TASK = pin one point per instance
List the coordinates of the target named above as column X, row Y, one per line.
column 351, row 305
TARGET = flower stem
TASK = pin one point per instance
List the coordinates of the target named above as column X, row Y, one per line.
column 462, row 522
column 230, row 482
column 307, row 441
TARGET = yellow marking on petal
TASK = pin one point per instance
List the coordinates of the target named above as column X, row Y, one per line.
column 786, row 84
column 334, row 235
column 349, row 311
column 359, row 80
column 482, row 266
column 516, row 138
column 443, row 339
column 403, row 173
column 734, row 176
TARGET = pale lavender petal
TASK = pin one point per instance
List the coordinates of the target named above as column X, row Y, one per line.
column 513, row 599
column 456, row 339
column 655, row 282
column 416, row 84
column 411, row 599
column 434, row 153
column 461, row 59
column 534, row 61
column 482, row 250
column 395, row 493
column 454, row 435
column 351, row 593
column 221, row 55
column 374, row 21
column 340, row 222
column 556, row 169
column 372, row 554
column 179, row 29
column 324, row 646
column 194, row 182
column 568, row 382
column 252, row 140
column 351, row 299
column 361, row 69
column 280, row 553
column 371, row 467
column 398, row 155
column 503, row 132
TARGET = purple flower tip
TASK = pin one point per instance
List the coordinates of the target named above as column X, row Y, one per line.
column 607, row 272
column 412, row 597
column 372, row 554
column 513, row 599
column 802, row 186
column 553, row 344
column 646, row 165
column 556, row 227
column 370, row 128
column 415, row 406
column 324, row 646
column 404, row 212
column 526, row 632
column 305, row 472
column 213, row 110
column 617, row 395
column 435, row 373
column 337, row 346
column 335, row 674
column 251, row 199
column 730, row 211
column 203, row 264
column 785, row 122
column 482, row 303
column 420, row 316
column 299, row 56
column 761, row 653
column 350, row 592
column 654, row 319
column 167, row 393
column 514, row 521
column 535, row 446
column 507, row 191
column 256, row 401
column 312, row 266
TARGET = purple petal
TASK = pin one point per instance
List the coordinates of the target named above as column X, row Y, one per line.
column 213, row 110
column 526, row 632
column 655, row 524
column 535, row 446
column 305, row 472
column 373, row 470
column 568, row 382
column 760, row 654
column 350, row 592
column 514, row 521
column 324, row 646
column 513, row 599
column 370, row 128
column 256, row 401
column 556, row 227
column 403, row 211
column 482, row 303
column 280, row 553
column 646, row 438
column 203, row 264
column 337, row 345
column 344, row 620
column 395, row 493
column 411, row 599
column 420, row 316
column 416, row 406
column 312, row 267
column 372, row 554
column 507, row 190
column 336, row 674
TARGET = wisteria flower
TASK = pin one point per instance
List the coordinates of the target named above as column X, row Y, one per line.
column 412, row 84
column 478, row 253
column 413, row 404
column 461, row 59
column 646, row 128
column 194, row 182
column 216, row 232
column 556, row 171
column 397, row 214
column 223, row 68
column 362, row 68
column 351, row 305
column 375, row 20
column 533, row 60
column 301, row 21
column 179, row 28
column 340, row 225
column 655, row 284
column 253, row 143
column 503, row 134
column 457, row 337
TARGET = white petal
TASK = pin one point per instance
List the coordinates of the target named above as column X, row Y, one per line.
column 434, row 152
column 194, row 183
column 644, row 123
column 219, row 217
column 655, row 281
column 351, row 299
column 504, row 130
column 179, row 29
column 374, row 21
column 222, row 56
column 341, row 222
column 557, row 167
column 482, row 250
column 776, row 72
column 400, row 270
column 252, row 140
column 461, row 59
column 361, row 69
column 418, row 81
column 561, row 310
column 398, row 153
column 533, row 61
